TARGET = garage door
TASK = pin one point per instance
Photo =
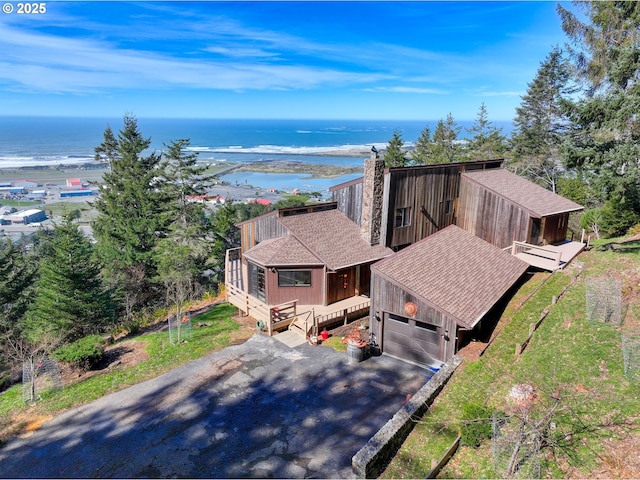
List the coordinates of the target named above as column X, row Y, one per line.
column 411, row 340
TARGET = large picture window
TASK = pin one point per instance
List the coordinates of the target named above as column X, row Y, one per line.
column 294, row 278
column 403, row 217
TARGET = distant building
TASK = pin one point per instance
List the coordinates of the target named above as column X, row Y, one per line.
column 74, row 183
column 26, row 183
column 26, row 216
column 263, row 201
column 76, row 193
column 13, row 190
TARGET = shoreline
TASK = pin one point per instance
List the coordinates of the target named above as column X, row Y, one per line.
column 92, row 171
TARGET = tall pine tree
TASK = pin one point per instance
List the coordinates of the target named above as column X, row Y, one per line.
column 487, row 141
column 133, row 214
column 540, row 123
column 394, row 155
column 421, row 154
column 605, row 141
column 184, row 252
column 445, row 147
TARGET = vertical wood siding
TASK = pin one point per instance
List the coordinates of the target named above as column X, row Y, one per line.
column 490, row 217
column 555, row 228
column 427, row 191
column 349, row 200
column 260, row 229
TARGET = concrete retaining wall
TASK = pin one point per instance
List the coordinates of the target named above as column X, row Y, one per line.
column 373, row 458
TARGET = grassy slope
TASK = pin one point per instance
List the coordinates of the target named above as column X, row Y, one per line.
column 569, row 357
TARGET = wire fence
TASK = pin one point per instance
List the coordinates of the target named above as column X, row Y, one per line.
column 631, row 356
column 39, row 374
column 515, row 450
column 180, row 329
column 604, row 300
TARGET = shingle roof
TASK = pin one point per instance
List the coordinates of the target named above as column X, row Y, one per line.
column 282, row 251
column 536, row 200
column 455, row 271
column 334, row 238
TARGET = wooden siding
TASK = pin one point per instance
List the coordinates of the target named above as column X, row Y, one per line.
column 490, row 217
column 426, row 192
column 426, row 189
column 260, row 229
column 555, row 228
column 349, row 200
column 386, row 297
column 313, row 295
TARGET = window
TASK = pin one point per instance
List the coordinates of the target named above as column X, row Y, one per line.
column 398, row 318
column 562, row 222
column 403, row 217
column 448, row 207
column 257, row 286
column 294, row 278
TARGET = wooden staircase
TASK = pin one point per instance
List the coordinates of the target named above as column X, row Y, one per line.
column 304, row 324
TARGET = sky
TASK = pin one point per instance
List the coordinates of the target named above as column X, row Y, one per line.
column 274, row 60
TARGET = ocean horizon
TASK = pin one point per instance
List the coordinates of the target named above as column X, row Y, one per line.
column 47, row 141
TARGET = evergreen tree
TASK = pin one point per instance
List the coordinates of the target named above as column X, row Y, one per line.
column 17, row 274
column 132, row 216
column 107, row 151
column 445, row 147
column 70, row 300
column 487, row 142
column 421, row 154
column 540, row 123
column 183, row 254
column 605, row 141
column 394, row 155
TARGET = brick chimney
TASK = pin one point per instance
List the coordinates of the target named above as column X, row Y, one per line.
column 372, row 195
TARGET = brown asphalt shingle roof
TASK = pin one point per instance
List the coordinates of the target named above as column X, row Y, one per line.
column 282, row 251
column 458, row 273
column 332, row 237
column 538, row 201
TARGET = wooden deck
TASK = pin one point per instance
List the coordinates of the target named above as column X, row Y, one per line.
column 549, row 257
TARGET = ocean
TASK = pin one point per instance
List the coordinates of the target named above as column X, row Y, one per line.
column 39, row 141
column 28, row 141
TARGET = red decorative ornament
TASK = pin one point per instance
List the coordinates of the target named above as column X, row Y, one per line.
column 410, row 308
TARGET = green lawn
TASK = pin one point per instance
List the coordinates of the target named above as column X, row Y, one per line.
column 573, row 364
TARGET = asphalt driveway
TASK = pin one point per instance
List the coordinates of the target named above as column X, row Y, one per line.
column 256, row 410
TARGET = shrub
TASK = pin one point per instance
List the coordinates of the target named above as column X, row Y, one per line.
column 476, row 426
column 85, row 353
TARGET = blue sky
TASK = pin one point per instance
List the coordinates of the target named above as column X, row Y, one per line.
column 325, row 60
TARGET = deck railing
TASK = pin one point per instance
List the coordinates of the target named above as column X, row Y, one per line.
column 344, row 315
column 522, row 247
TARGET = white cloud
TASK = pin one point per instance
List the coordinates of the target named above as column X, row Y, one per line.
column 66, row 65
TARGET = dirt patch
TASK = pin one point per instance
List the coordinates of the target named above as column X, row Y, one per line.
column 121, row 355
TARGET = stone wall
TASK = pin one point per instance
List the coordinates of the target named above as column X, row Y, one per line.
column 373, row 458
column 372, row 196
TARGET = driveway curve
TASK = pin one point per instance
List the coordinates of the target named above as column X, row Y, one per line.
column 256, row 410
